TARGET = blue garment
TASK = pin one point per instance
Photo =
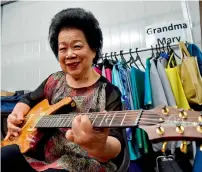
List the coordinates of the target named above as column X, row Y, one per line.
column 8, row 102
column 119, row 79
column 130, row 88
column 123, row 77
column 147, row 88
column 198, row 160
column 196, row 52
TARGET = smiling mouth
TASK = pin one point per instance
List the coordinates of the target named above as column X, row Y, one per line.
column 72, row 65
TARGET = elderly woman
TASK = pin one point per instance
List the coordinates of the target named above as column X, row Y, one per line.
column 76, row 40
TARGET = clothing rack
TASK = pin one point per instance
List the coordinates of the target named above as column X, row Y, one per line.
column 138, row 50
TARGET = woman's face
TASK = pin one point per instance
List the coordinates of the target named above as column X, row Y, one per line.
column 75, row 55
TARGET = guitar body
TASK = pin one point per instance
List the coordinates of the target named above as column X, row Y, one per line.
column 29, row 136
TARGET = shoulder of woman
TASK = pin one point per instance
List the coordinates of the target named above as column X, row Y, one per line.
column 53, row 79
column 57, row 75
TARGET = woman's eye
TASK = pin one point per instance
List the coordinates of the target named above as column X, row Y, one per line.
column 61, row 49
column 77, row 46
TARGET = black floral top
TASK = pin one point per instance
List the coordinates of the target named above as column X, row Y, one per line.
column 54, row 150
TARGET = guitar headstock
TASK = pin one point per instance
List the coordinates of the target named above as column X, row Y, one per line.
column 169, row 123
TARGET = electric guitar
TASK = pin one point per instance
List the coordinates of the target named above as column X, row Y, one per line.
column 161, row 123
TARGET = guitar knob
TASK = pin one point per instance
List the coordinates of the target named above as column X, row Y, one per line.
column 163, row 149
column 180, row 129
column 73, row 104
column 200, row 147
column 183, row 114
column 183, row 147
column 199, row 127
column 165, row 110
column 159, row 130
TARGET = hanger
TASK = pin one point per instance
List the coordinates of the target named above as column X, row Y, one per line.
column 116, row 61
column 102, row 57
column 106, row 55
column 163, row 49
column 138, row 58
column 132, row 60
column 157, row 52
column 123, row 59
column 111, row 56
column 172, row 51
column 152, row 55
column 115, row 56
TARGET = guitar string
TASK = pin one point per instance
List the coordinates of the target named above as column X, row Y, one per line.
column 144, row 122
column 97, row 116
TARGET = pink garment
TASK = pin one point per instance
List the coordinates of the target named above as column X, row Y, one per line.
column 108, row 73
column 98, row 70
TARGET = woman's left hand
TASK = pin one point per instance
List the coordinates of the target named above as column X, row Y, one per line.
column 83, row 134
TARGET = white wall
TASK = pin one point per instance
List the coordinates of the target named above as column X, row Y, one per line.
column 27, row 58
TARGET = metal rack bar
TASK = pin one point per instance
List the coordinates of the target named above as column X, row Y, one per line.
column 138, row 50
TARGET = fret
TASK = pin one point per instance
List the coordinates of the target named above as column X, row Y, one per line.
column 45, row 121
column 58, row 122
column 94, row 118
column 62, row 121
column 54, row 122
column 51, row 121
column 123, row 119
column 41, row 122
column 107, row 118
column 69, row 122
column 102, row 119
column 112, row 119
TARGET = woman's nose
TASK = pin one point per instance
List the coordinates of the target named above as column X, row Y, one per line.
column 70, row 54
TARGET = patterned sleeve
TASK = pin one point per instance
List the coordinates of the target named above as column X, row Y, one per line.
column 113, row 103
column 34, row 97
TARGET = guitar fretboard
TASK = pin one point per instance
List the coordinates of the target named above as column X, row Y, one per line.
column 101, row 119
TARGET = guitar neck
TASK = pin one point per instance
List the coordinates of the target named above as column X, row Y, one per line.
column 98, row 119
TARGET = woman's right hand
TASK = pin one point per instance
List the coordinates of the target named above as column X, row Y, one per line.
column 13, row 122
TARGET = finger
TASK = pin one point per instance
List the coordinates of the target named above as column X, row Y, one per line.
column 14, row 119
column 86, row 125
column 76, row 129
column 12, row 128
column 69, row 135
column 7, row 136
column 20, row 116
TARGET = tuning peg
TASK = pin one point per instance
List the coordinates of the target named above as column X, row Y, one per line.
column 182, row 114
column 165, row 110
column 163, row 149
column 179, row 128
column 200, row 118
column 199, row 127
column 183, row 147
column 159, row 130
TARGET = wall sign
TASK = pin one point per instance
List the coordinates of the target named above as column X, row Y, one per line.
column 172, row 33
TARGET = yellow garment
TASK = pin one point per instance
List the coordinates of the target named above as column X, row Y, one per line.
column 176, row 84
column 190, row 76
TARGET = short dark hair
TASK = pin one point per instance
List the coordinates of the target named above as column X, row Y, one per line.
column 80, row 19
